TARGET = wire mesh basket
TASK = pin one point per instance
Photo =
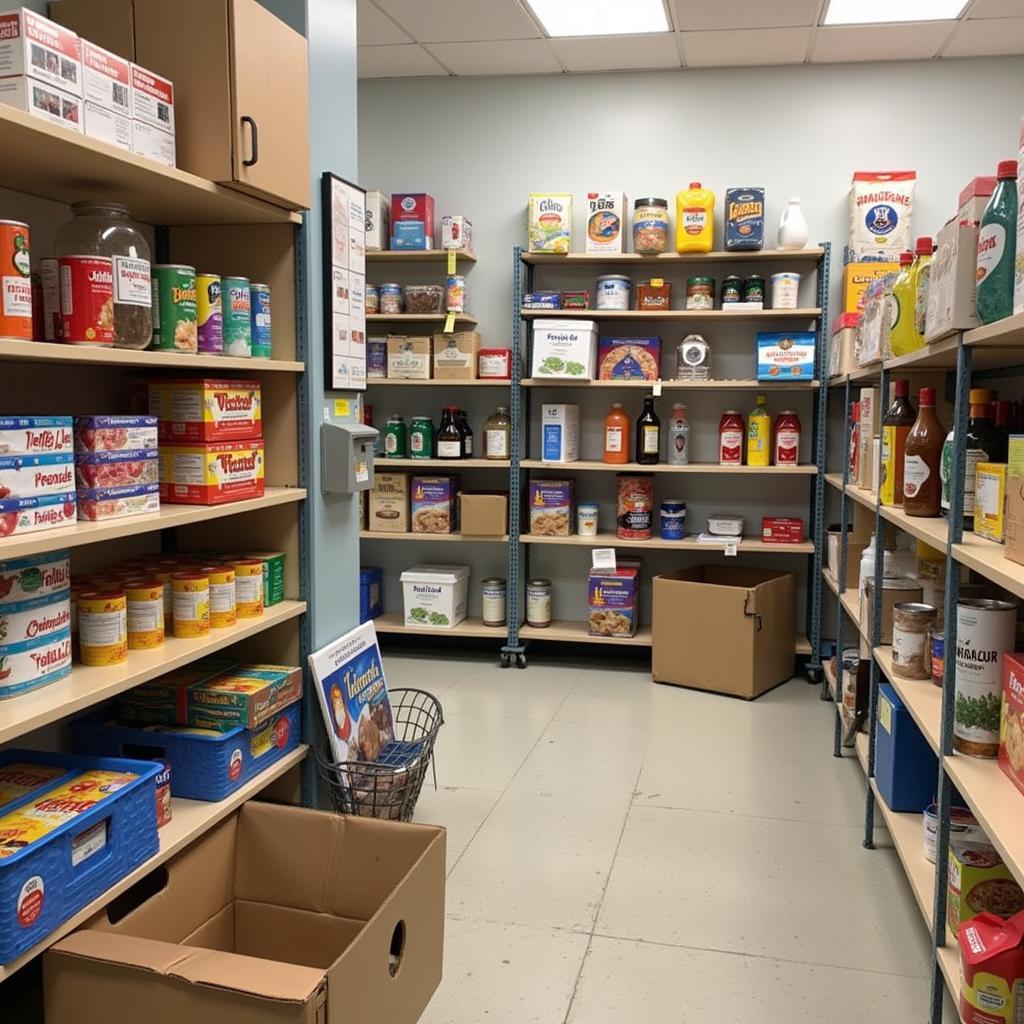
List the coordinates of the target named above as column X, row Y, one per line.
column 390, row 786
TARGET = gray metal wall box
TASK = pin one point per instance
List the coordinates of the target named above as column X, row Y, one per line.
column 347, row 457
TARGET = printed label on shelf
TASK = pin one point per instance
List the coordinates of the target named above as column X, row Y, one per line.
column 449, row 323
column 451, row 261
column 341, row 407
column 603, row 558
column 656, row 387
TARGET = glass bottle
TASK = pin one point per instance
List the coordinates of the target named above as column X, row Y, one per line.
column 467, row 435
column 896, row 424
column 449, row 437
column 678, row 437
column 996, row 247
column 616, row 436
column 648, row 435
column 985, row 442
column 498, row 435
column 922, row 454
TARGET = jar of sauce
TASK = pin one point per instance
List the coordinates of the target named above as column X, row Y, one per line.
column 538, row 603
column 650, row 226
column 922, row 454
column 786, row 439
column 700, row 293
column 731, row 430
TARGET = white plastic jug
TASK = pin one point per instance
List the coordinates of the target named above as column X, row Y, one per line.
column 793, row 230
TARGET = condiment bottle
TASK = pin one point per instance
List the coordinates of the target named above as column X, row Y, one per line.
column 907, row 332
column 467, row 435
column 985, row 442
column 449, row 437
column 922, row 454
column 759, row 434
column 695, row 216
column 616, row 436
column 730, row 438
column 997, row 246
column 678, row 437
column 648, row 434
column 786, row 439
column 498, row 435
column 896, row 424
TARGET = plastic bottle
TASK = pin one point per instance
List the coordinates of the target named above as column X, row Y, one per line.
column 793, row 230
column 925, row 249
column 922, row 487
column 648, row 435
column 616, row 436
column 695, row 218
column 907, row 311
column 997, row 246
column 759, row 434
column 678, row 437
column 867, row 568
column 896, row 424
column 901, row 305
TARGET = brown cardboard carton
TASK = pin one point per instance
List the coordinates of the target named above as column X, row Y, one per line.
column 870, row 428
column 279, row 915
column 727, row 629
column 484, row 515
column 408, row 357
column 389, row 503
column 1014, row 547
column 455, row 355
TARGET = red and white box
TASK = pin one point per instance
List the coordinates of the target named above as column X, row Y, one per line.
column 27, row 515
column 417, row 206
column 42, row 100
column 154, row 143
column 1011, row 723
column 152, row 99
column 201, row 411
column 32, row 476
column 782, row 530
column 38, row 48
column 107, row 91
column 211, row 474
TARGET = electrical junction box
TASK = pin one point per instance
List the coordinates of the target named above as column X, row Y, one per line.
column 347, row 457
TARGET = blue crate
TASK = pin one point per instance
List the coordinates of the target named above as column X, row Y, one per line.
column 204, row 765
column 371, row 584
column 50, row 880
column 906, row 768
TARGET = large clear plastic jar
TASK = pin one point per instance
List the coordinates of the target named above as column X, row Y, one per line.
column 106, row 229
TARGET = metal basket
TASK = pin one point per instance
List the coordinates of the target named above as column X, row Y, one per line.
column 390, row 786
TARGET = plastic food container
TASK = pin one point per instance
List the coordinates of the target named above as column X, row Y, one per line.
column 785, row 288
column 725, row 525
column 435, row 595
column 613, row 291
column 586, row 518
column 962, row 824
column 424, row 298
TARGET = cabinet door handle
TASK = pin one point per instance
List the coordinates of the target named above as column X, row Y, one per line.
column 255, row 134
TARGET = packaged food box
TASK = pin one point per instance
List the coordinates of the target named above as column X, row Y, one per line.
column 205, row 410
column 412, row 220
column 70, row 843
column 1011, row 720
column 785, row 356
column 22, row 622
column 575, row 300
column 979, row 883
column 992, row 969
column 744, row 218
column 655, row 294
column 27, row 515
column 542, row 300
column 434, row 504
column 153, row 143
column 549, row 222
column 32, row 476
column 494, row 364
column 35, row 435
column 123, row 468
column 564, row 349
column 42, row 100
column 389, row 503
column 455, row 355
column 35, row 663
column 103, row 124
column 551, row 508
column 115, row 433
column 606, row 221
column 560, row 433
column 456, row 233
column 27, row 579
column 782, row 530
column 378, row 220
column 629, row 358
column 106, row 81
column 211, row 474
column 25, row 774
column 164, row 811
column 612, row 599
column 152, row 99
column 34, row 46
column 163, row 701
column 842, row 350
column 273, row 575
column 435, row 595
column 96, row 504
column 409, row 357
column 990, row 500
column 856, row 279
column 371, row 585
column 246, row 696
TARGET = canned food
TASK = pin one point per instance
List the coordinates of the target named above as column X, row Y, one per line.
column 538, row 603
column 700, row 293
column 146, row 628
column 259, row 303
column 456, row 294
column 785, row 289
column 613, row 291
column 16, row 281
column 372, row 299
column 191, row 593
column 175, row 300
column 102, row 627
column 586, row 518
column 223, row 611
column 938, row 657
column 390, row 299
column 753, row 289
column 396, row 442
column 209, row 314
column 673, row 519
column 86, row 300
column 248, row 588
column 912, row 623
column 732, row 290
column 635, row 505
column 237, row 314
column 421, row 438
column 492, row 601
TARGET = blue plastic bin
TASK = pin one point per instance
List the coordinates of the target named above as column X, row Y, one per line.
column 906, row 768
column 371, row 585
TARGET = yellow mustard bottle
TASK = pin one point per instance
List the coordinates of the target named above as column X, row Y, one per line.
column 759, row 434
column 695, row 218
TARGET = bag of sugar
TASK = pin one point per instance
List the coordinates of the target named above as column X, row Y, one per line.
column 881, row 207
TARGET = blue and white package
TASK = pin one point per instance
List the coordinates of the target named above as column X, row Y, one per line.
column 560, row 433
column 35, row 435
column 744, row 219
column 33, row 476
column 259, row 304
column 782, row 357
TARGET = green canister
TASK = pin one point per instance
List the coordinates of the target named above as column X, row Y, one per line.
column 174, row 308
column 421, row 438
column 236, row 312
column 395, row 439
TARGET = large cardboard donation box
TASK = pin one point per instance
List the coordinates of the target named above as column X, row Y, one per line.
column 730, row 630
column 279, row 915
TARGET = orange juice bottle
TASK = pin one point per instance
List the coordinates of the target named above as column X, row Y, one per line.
column 616, row 435
column 695, row 218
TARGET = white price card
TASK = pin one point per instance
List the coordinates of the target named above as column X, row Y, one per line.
column 603, row 559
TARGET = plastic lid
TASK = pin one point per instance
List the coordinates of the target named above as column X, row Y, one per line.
column 980, row 396
column 906, row 258
column 616, row 405
column 1006, row 169
column 902, row 387
column 925, row 246
column 926, row 396
column 650, row 201
column 697, row 184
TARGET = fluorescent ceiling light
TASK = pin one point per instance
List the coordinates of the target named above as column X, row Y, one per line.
column 600, row 17
column 873, row 12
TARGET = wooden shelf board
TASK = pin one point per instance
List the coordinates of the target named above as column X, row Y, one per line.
column 370, row 535
column 828, row 667
column 169, row 517
column 833, row 584
column 190, row 819
column 940, row 355
column 921, row 696
column 863, row 373
column 858, row 494
column 1007, row 333
column 932, row 531
column 611, row 540
column 385, row 382
column 577, row 632
column 418, row 256
column 87, row 686
column 595, row 465
column 669, row 315
column 860, row 745
column 394, row 622
column 739, row 384
column 16, row 349
column 52, row 162
column 382, row 465
column 989, row 559
column 802, row 645
column 418, row 318
column 834, row 480
column 850, row 600
column 758, row 256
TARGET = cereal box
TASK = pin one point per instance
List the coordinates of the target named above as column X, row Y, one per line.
column 389, row 503
column 163, row 701
column 612, row 598
column 96, row 504
column 32, row 476
column 35, row 435
column 979, row 882
column 1011, row 722
column 26, row 515
column 785, row 356
column 248, row 695
column 549, row 222
column 990, row 500
column 551, row 508
column 41, row 49
column 206, row 410
column 434, row 502
column 856, row 279
column 117, row 468
column 629, row 358
column 606, row 221
column 744, row 218
column 115, row 433
column 25, row 579
column 211, row 474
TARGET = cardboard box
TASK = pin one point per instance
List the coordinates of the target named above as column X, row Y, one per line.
column 856, row 279
column 483, row 515
column 977, row 875
column 434, row 504
column 870, row 428
column 613, row 602
column 629, row 358
column 560, row 433
column 727, row 629
column 843, row 347
column 42, row 100
column 606, row 222
column 549, row 222
column 212, row 474
column 41, row 49
column 378, row 220
column 1011, row 720
column 106, row 80
column 782, row 529
column 550, row 504
column 783, row 356
column 412, row 221
column 1014, row 528
column 152, row 142
column 152, row 98
column 277, row 914
column 105, row 125
column 408, row 357
column 389, row 503
column 455, row 355
column 565, row 349
column 457, row 233
column 990, row 500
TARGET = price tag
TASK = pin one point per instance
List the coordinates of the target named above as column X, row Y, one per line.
column 362, row 471
column 731, row 549
column 449, row 323
column 603, row 559
column 342, row 407
column 657, row 389
column 451, row 262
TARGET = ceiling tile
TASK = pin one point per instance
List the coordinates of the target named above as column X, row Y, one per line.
column 405, row 61
column 835, row 43
column 374, row 28
column 987, row 38
column 437, row 21
column 706, row 15
column 508, row 57
column 728, row 49
column 995, row 9
column 599, row 53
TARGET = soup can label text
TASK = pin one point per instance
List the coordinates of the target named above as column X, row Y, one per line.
column 208, row 313
column 237, row 313
column 174, row 308
column 87, row 300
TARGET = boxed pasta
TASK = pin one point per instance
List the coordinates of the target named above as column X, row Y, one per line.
column 549, row 222
column 434, row 504
column 606, row 222
column 551, row 508
column 613, row 601
column 389, row 503
column 564, row 349
column 629, row 358
column 1011, row 721
column 117, row 468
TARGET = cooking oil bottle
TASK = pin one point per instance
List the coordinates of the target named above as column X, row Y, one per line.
column 695, row 218
column 759, row 434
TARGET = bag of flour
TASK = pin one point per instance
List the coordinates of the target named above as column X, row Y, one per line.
column 881, row 207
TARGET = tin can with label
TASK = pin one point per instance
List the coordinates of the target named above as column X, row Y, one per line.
column 421, row 438
column 673, row 519
column 15, row 281
column 248, row 587
column 237, row 313
column 191, row 593
column 376, row 358
column 538, row 603
column 700, row 293
column 390, row 298
column 396, row 441
column 146, row 628
column 456, row 294
column 732, row 290
column 86, row 300
column 586, row 518
column 102, row 627
column 492, row 601
column 223, row 609
column 372, row 299
column 174, row 308
column 209, row 314
column 753, row 289
column 259, row 302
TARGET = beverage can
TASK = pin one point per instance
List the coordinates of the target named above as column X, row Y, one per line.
column 102, row 618
column 15, row 281
column 223, row 612
column 209, row 314
column 146, row 629
column 421, row 438
column 87, row 300
column 237, row 314
column 248, row 588
column 259, row 302
column 191, row 598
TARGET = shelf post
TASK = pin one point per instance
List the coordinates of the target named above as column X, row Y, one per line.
column 837, row 731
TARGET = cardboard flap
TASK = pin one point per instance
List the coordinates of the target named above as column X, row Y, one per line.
column 145, row 954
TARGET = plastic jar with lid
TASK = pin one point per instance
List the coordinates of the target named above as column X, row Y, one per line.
column 650, row 226
column 106, row 229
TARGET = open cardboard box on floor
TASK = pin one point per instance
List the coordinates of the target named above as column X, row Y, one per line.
column 279, row 915
column 722, row 628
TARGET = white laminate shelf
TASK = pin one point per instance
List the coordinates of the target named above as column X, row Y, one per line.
column 418, row 318
column 989, row 559
column 725, row 384
column 612, row 540
column 597, row 466
column 418, row 256
column 811, row 253
column 863, row 497
column 670, row 315
column 383, row 465
column 394, row 622
column 932, row 530
column 431, row 537
column 394, row 382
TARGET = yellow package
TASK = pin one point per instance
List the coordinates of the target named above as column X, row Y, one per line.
column 990, row 500
column 549, row 222
column 857, row 277
column 19, row 779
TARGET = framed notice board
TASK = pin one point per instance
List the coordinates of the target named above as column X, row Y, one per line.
column 344, row 248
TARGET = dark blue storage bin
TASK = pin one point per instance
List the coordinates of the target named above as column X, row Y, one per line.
column 49, row 880
column 906, row 768
column 371, row 587
column 205, row 765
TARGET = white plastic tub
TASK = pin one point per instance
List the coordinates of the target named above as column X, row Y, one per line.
column 435, row 595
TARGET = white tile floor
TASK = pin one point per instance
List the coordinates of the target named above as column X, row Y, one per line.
column 625, row 853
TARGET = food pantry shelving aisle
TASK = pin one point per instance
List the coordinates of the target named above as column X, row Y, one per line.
column 191, row 217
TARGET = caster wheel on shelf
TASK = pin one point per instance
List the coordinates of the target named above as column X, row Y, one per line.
column 814, row 676
column 506, row 660
column 521, row 661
